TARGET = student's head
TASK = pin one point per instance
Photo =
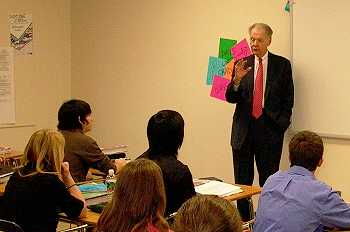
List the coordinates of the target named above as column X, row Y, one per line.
column 44, row 152
column 74, row 114
column 138, row 199
column 306, row 150
column 207, row 213
column 260, row 38
column 165, row 132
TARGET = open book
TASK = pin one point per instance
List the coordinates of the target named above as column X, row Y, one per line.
column 213, row 187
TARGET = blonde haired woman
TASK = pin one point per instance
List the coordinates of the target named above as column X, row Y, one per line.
column 207, row 213
column 138, row 202
column 43, row 186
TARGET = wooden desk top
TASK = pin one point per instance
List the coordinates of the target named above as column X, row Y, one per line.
column 92, row 217
column 12, row 155
column 248, row 191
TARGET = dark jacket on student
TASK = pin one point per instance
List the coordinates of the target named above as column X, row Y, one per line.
column 33, row 202
column 82, row 152
column 178, row 180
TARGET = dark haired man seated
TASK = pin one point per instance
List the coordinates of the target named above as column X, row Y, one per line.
column 82, row 151
column 165, row 133
column 294, row 200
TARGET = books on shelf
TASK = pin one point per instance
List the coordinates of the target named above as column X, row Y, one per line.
column 213, row 187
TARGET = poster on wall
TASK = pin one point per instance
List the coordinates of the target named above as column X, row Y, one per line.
column 7, row 94
column 21, row 33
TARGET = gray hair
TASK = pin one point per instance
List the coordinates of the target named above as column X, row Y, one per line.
column 264, row 26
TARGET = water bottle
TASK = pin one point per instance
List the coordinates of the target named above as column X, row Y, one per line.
column 110, row 181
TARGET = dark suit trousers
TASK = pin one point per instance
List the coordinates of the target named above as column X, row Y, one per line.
column 264, row 141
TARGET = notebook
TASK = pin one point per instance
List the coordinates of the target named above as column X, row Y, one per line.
column 98, row 208
column 212, row 187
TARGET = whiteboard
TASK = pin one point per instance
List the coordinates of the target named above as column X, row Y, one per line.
column 321, row 67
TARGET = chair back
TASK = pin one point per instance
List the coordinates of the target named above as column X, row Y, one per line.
column 8, row 226
column 81, row 228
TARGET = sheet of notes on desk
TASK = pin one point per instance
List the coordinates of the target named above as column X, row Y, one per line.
column 213, row 187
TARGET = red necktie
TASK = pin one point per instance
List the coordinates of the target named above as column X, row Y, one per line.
column 258, row 92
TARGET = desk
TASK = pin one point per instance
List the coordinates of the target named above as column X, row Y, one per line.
column 12, row 155
column 2, row 188
column 92, row 217
column 248, row 192
column 12, row 158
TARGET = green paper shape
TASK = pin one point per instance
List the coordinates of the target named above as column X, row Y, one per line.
column 225, row 46
column 287, row 6
column 216, row 67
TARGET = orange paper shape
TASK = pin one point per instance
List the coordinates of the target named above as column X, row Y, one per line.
column 229, row 69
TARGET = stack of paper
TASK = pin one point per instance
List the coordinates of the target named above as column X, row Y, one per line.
column 115, row 149
column 218, row 188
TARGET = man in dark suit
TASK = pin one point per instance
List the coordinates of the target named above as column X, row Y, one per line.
column 262, row 89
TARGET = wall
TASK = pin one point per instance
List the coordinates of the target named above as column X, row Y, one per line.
column 42, row 80
column 133, row 58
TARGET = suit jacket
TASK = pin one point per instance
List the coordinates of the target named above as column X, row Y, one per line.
column 278, row 104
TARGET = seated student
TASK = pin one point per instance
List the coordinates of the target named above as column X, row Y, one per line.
column 207, row 213
column 294, row 200
column 165, row 132
column 81, row 151
column 138, row 202
column 42, row 186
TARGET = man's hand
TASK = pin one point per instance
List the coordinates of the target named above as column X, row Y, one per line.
column 240, row 71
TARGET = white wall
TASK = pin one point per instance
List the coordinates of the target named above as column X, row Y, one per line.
column 130, row 59
column 42, row 80
column 133, row 58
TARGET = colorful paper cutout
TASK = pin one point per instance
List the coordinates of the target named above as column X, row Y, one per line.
column 216, row 66
column 241, row 50
column 218, row 90
column 229, row 69
column 225, row 46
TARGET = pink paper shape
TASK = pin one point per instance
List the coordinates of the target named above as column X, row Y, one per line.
column 241, row 50
column 219, row 87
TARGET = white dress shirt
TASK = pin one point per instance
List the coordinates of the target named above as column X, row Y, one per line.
column 256, row 66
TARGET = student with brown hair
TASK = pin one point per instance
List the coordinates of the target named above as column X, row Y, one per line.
column 44, row 185
column 294, row 200
column 207, row 213
column 138, row 202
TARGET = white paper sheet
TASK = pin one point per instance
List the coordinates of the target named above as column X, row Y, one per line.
column 7, row 95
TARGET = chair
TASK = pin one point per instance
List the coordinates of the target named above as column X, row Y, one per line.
column 77, row 228
column 171, row 218
column 248, row 226
column 8, row 226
